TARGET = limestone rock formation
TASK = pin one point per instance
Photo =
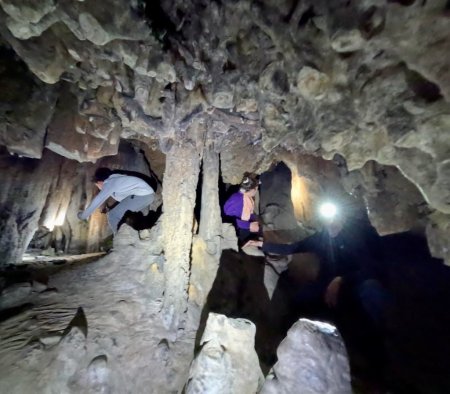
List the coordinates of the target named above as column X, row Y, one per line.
column 25, row 187
column 26, row 107
column 108, row 342
column 366, row 81
column 40, row 200
column 227, row 362
column 354, row 97
column 312, row 359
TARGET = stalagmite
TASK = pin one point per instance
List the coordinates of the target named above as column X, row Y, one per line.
column 312, row 359
column 227, row 363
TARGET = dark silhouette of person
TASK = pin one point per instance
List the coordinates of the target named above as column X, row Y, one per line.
column 350, row 265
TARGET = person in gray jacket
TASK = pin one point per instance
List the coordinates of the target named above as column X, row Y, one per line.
column 132, row 193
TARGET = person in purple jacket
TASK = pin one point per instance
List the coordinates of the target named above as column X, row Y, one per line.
column 241, row 206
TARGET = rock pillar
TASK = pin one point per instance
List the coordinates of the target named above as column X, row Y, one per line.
column 206, row 249
column 179, row 193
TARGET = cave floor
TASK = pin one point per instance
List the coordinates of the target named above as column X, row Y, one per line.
column 68, row 323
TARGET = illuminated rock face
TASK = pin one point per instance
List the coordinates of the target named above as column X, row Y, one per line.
column 369, row 82
column 25, row 187
column 227, row 362
column 312, row 359
column 42, row 198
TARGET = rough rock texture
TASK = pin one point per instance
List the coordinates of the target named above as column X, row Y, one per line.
column 85, row 130
column 312, row 359
column 207, row 245
column 227, row 362
column 393, row 204
column 368, row 81
column 276, row 205
column 41, row 199
column 180, row 182
column 273, row 268
column 26, row 107
column 97, row 328
column 25, row 187
column 364, row 85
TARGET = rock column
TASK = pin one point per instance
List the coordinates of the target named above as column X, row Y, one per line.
column 179, row 192
column 207, row 244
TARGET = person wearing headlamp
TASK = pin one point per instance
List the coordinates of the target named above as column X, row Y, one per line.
column 350, row 264
column 241, row 206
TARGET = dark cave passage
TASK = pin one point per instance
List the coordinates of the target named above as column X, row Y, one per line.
column 412, row 336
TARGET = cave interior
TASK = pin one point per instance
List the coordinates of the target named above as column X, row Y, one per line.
column 325, row 101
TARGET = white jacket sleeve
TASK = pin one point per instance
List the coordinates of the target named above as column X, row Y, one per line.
column 99, row 199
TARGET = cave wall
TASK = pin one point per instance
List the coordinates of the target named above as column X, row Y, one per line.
column 352, row 96
column 367, row 81
column 26, row 184
column 41, row 199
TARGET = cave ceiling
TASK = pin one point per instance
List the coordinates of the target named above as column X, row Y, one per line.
column 368, row 80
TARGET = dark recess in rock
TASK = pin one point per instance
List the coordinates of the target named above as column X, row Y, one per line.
column 403, row 2
column 423, row 88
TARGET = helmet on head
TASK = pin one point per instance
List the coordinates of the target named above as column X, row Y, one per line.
column 101, row 174
column 249, row 181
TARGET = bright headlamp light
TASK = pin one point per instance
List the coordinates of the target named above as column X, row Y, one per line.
column 328, row 210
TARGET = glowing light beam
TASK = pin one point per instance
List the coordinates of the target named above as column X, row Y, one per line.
column 328, row 210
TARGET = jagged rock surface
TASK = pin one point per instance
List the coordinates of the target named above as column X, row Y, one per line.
column 227, row 362
column 25, row 187
column 181, row 176
column 365, row 80
column 40, row 200
column 97, row 328
column 207, row 245
column 312, row 359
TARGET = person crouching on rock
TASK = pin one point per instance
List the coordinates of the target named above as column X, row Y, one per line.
column 241, row 206
column 132, row 193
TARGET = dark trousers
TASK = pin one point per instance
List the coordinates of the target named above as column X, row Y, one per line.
column 245, row 235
